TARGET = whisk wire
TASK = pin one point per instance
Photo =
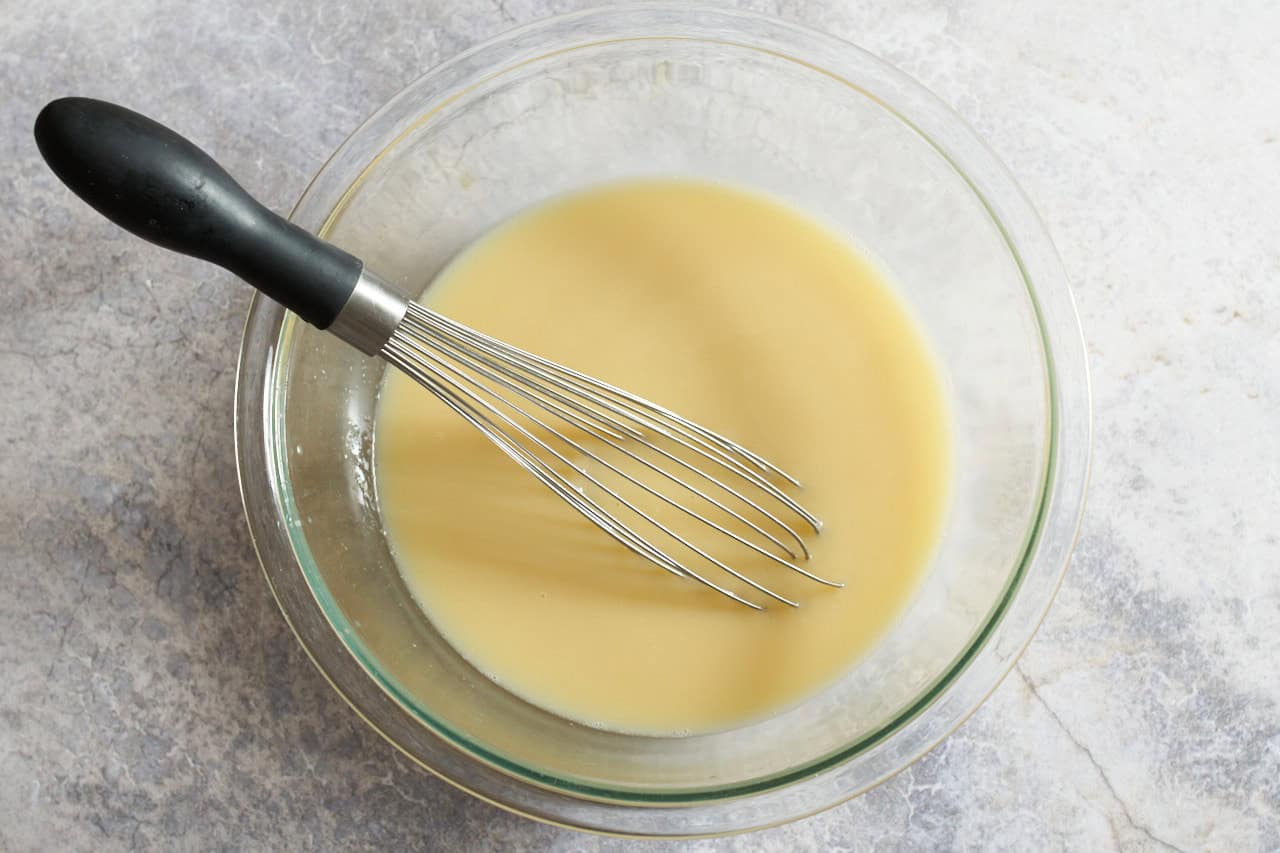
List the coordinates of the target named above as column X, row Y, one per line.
column 469, row 370
column 440, row 364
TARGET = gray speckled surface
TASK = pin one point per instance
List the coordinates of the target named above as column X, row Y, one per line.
column 152, row 694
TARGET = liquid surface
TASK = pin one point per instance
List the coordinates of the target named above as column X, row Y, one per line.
column 743, row 315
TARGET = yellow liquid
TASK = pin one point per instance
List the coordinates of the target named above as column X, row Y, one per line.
column 743, row 315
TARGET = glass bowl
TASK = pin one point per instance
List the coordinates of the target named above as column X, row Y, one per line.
column 668, row 90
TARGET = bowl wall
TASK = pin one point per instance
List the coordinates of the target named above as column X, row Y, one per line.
column 619, row 94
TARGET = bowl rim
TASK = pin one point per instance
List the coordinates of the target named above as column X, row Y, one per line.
column 336, row 652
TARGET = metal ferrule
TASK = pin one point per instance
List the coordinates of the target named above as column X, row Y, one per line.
column 373, row 311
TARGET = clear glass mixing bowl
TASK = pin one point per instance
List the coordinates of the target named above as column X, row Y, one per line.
column 666, row 91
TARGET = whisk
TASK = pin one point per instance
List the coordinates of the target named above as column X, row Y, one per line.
column 570, row 431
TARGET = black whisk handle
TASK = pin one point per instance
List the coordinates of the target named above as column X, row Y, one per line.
column 163, row 188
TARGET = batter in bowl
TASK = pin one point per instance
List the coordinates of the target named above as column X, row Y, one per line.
column 744, row 315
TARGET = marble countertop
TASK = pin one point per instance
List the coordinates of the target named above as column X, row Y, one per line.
column 153, row 696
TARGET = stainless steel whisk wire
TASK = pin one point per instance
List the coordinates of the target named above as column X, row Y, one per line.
column 451, row 360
